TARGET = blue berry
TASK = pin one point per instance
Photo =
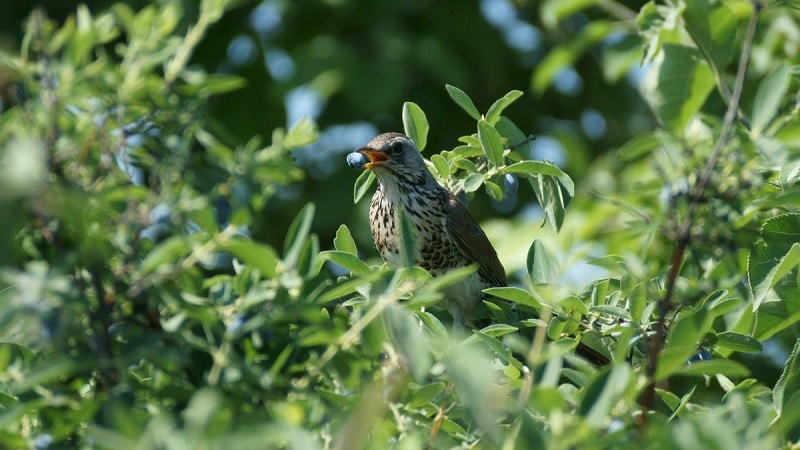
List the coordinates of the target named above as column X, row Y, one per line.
column 511, row 183
column 356, row 160
column 702, row 355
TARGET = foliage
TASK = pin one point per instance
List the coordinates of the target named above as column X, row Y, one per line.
column 140, row 309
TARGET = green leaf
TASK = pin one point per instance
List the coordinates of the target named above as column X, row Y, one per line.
column 774, row 255
column 611, row 310
column 404, row 334
column 415, row 124
column 212, row 84
column 516, row 139
column 603, row 392
column 786, row 396
column 769, row 96
column 408, row 240
column 554, row 194
column 498, row 329
column 516, row 295
column 462, row 99
column 362, row 184
column 491, row 143
column 534, row 168
column 713, row 27
column 714, row 367
column 302, row 133
column 426, row 394
column 554, row 11
column 441, row 165
column 496, row 110
column 565, row 56
column 297, row 235
column 166, row 253
column 738, row 342
column 639, row 145
column 344, row 241
column 542, row 265
column 677, row 85
column 347, row 260
column 259, row 256
column 473, row 182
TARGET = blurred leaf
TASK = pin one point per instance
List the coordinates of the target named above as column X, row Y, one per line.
column 405, row 334
column 714, row 367
column 496, row 110
column 260, row 256
column 426, row 394
column 362, row 184
column 415, row 124
column 554, row 11
column 302, row 133
column 564, row 56
column 770, row 95
column 603, row 392
column 462, row 99
column 640, row 145
column 297, row 234
column 347, row 260
column 166, row 253
column 212, row 84
column 620, row 56
column 677, row 85
column 408, row 241
column 713, row 27
column 738, row 342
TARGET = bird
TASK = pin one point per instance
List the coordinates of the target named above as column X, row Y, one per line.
column 447, row 236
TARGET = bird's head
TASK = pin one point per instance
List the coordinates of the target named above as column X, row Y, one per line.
column 394, row 155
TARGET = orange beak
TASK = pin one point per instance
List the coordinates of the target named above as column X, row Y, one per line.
column 375, row 157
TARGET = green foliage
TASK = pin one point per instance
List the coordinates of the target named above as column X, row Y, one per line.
column 143, row 309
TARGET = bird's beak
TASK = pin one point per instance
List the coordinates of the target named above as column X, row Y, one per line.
column 375, row 157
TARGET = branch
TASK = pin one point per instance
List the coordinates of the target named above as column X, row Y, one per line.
column 684, row 233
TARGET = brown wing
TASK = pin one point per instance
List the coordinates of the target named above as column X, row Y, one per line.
column 473, row 243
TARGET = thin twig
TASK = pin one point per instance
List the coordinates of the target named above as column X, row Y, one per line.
column 684, row 233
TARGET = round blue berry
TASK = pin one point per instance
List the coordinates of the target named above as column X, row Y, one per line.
column 356, row 160
column 511, row 183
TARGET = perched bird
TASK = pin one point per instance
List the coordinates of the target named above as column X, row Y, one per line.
column 447, row 236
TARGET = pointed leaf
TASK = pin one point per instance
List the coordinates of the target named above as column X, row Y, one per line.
column 677, row 85
column 773, row 256
column 496, row 110
column 362, row 184
column 541, row 264
column 492, row 143
column 516, row 295
column 462, row 99
column 769, row 96
column 297, row 235
column 344, row 241
column 415, row 124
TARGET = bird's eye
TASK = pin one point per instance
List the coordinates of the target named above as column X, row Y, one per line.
column 397, row 148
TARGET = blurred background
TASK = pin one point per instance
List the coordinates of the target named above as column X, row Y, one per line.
column 350, row 65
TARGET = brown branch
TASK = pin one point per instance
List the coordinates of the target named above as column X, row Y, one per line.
column 665, row 305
